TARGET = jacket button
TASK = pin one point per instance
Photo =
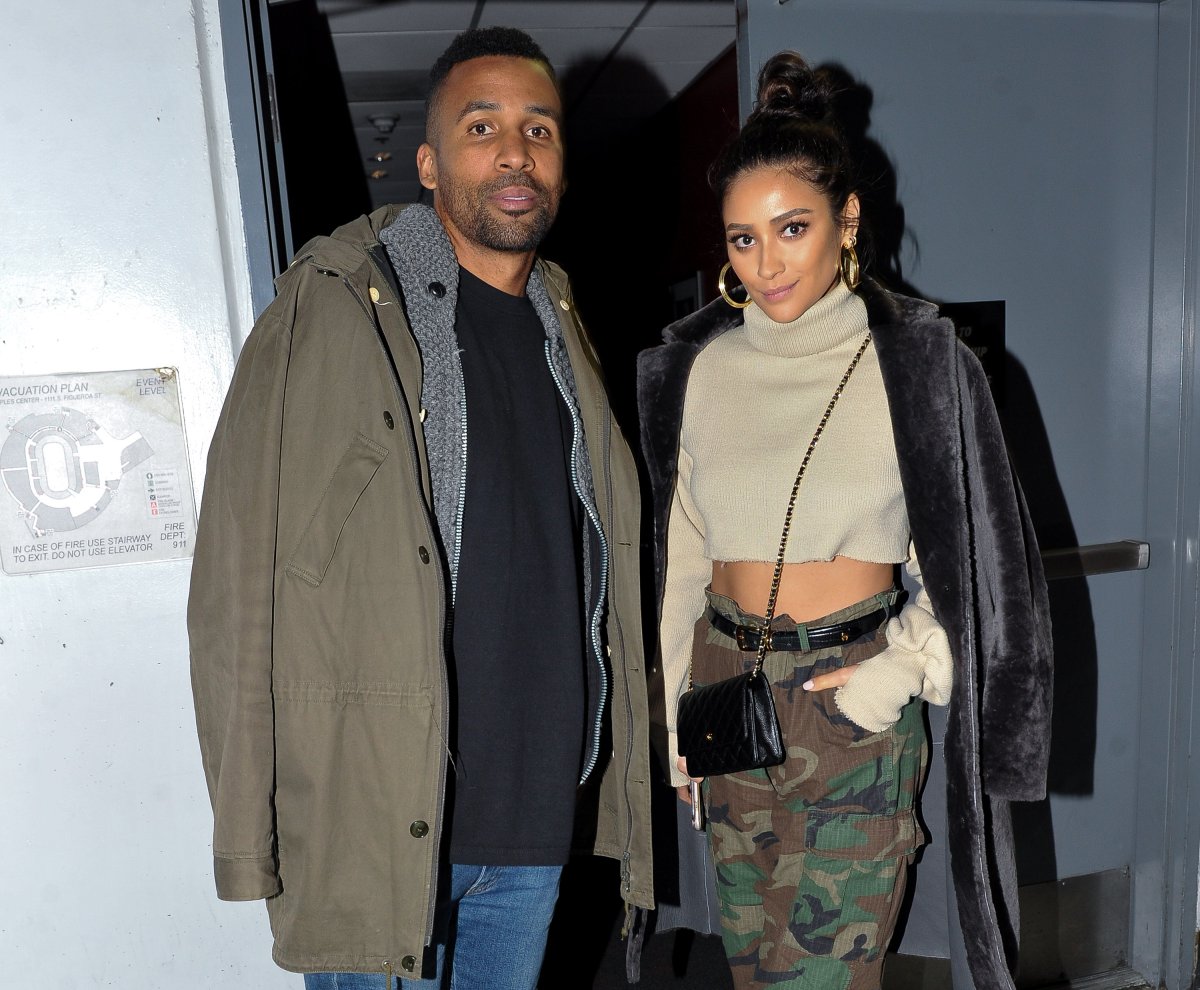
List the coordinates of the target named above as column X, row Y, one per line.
column 423, row 554
column 437, row 290
column 374, row 294
column 408, row 963
column 388, row 421
column 418, row 830
column 564, row 304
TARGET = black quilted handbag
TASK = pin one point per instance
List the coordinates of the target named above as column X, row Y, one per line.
column 732, row 725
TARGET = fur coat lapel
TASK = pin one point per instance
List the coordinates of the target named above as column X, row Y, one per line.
column 980, row 566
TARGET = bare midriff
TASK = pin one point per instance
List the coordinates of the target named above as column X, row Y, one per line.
column 806, row 591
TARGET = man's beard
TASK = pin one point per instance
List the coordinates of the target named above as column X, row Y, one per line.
column 472, row 214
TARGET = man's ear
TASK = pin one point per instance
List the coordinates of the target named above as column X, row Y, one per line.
column 427, row 166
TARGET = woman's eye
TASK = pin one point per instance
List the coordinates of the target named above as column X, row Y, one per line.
column 795, row 229
column 741, row 241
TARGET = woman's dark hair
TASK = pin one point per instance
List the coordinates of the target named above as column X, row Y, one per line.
column 792, row 127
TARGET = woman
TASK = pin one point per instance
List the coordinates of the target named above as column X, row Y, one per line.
column 908, row 469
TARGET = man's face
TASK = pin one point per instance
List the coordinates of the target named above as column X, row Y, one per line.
column 495, row 153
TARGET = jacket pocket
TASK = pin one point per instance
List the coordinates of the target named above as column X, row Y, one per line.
column 319, row 540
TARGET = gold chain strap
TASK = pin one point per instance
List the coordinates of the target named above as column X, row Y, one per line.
column 764, row 638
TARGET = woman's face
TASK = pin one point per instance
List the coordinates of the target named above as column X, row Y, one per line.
column 784, row 240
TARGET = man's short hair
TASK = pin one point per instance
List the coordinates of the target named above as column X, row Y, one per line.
column 478, row 43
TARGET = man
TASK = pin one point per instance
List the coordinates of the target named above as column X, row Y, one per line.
column 414, row 623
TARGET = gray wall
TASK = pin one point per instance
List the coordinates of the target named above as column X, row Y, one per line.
column 1022, row 140
column 1041, row 151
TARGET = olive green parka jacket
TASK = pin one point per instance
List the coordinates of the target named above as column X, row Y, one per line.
column 317, row 619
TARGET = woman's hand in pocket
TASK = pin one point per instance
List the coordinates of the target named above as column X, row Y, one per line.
column 834, row 679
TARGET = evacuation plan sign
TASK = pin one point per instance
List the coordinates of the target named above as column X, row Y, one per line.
column 93, row 471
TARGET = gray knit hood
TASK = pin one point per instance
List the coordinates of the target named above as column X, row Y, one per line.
column 427, row 269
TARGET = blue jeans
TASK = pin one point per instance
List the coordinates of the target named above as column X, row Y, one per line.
column 490, row 931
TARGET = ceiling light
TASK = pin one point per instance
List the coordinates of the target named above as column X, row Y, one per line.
column 381, row 156
column 378, row 173
column 385, row 123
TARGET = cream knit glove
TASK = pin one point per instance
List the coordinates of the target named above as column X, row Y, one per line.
column 915, row 663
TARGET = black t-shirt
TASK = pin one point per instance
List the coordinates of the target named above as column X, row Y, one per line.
column 518, row 633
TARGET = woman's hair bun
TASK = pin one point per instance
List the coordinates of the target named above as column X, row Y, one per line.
column 795, row 127
column 788, row 85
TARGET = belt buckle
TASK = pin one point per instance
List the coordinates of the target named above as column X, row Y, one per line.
column 742, row 632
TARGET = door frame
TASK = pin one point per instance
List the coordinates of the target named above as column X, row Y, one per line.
column 1163, row 923
column 249, row 83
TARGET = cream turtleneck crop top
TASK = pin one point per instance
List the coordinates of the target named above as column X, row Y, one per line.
column 754, row 397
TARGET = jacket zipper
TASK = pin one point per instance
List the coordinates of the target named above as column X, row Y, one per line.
column 626, row 880
column 602, row 591
column 416, row 463
column 462, row 483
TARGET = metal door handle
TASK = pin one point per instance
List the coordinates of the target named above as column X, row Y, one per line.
column 1096, row 558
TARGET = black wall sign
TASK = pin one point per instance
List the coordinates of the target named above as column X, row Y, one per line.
column 980, row 325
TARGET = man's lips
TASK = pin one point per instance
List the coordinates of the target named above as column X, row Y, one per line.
column 515, row 198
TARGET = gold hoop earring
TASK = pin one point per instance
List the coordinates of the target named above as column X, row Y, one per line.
column 848, row 265
column 725, row 294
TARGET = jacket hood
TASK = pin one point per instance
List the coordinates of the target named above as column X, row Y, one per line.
column 346, row 249
column 364, row 231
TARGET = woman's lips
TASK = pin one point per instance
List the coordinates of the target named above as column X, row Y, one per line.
column 774, row 295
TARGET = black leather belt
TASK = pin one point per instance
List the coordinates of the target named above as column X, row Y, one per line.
column 793, row 640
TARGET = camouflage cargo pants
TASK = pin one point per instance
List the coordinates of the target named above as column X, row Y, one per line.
column 812, row 855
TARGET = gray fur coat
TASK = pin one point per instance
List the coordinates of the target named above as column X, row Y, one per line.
column 981, row 568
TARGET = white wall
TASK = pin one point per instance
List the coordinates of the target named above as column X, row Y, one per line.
column 121, row 247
